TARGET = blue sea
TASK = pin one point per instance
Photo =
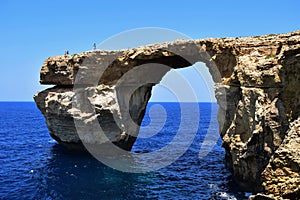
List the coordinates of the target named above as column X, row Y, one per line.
column 34, row 166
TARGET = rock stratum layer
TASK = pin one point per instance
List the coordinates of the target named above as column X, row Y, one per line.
column 256, row 86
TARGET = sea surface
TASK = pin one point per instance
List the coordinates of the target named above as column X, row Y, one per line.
column 34, row 166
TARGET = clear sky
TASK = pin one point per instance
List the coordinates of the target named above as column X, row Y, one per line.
column 31, row 31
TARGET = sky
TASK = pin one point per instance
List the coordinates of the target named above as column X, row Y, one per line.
column 32, row 31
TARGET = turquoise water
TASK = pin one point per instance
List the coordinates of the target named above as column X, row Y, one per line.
column 34, row 166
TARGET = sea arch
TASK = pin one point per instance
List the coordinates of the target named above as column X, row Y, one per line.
column 250, row 76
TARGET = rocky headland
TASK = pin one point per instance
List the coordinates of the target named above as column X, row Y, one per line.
column 257, row 81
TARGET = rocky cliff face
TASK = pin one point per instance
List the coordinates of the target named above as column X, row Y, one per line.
column 257, row 89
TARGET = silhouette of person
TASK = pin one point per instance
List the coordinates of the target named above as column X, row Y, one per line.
column 95, row 47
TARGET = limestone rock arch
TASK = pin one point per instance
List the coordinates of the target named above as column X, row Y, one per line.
column 256, row 86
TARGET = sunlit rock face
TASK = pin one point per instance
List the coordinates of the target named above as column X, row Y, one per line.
column 256, row 86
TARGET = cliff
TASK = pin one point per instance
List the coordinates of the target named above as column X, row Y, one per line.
column 256, row 86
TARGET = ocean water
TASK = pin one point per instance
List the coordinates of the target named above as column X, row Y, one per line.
column 34, row 166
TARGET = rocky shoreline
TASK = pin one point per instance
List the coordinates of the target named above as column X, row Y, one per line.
column 257, row 82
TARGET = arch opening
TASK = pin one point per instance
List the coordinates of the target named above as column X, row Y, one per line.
column 163, row 113
column 161, row 122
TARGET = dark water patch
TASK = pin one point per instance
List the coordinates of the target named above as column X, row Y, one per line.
column 34, row 166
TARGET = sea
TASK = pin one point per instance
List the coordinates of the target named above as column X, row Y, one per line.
column 34, row 166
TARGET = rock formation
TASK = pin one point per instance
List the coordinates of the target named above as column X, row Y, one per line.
column 256, row 86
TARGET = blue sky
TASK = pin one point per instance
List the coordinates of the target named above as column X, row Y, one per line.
column 31, row 31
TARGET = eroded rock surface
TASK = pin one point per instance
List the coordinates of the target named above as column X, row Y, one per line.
column 281, row 176
column 257, row 89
